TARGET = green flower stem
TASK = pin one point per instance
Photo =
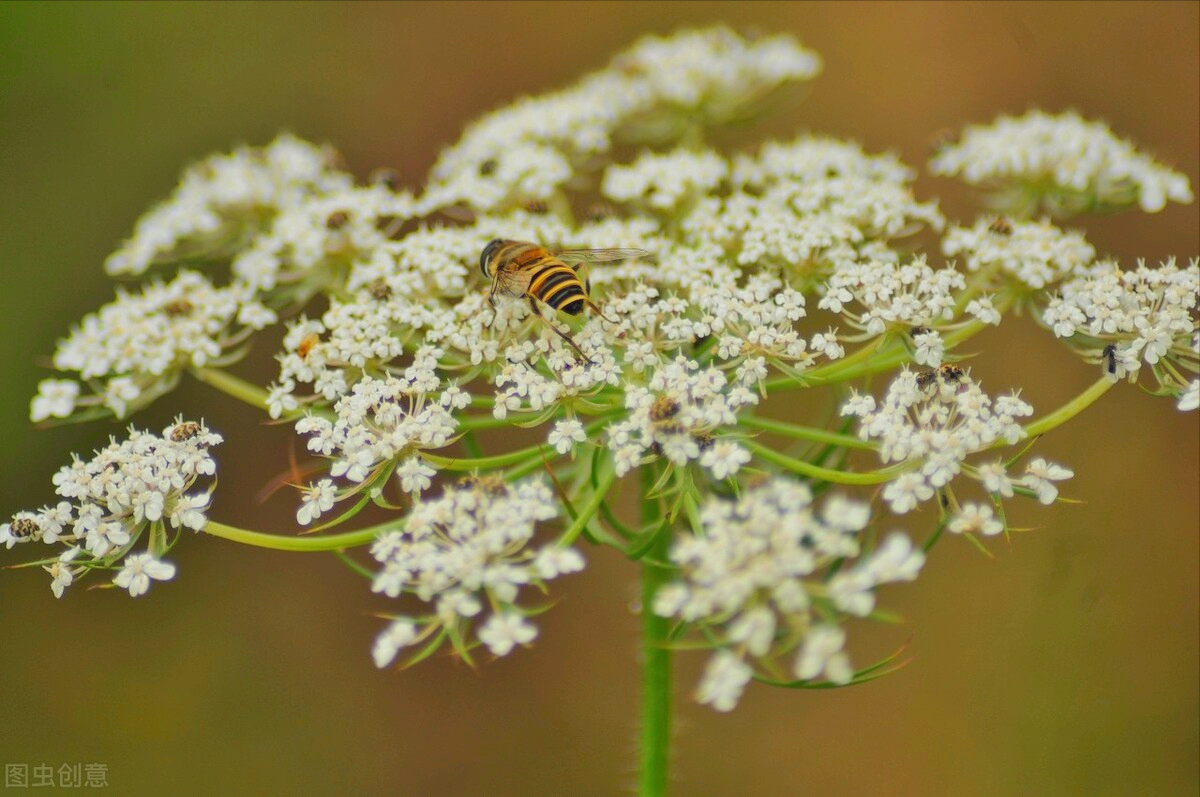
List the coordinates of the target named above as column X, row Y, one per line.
column 280, row 542
column 482, row 463
column 805, row 432
column 1070, row 409
column 588, row 510
column 247, row 392
column 472, row 422
column 825, row 474
column 871, row 359
column 656, row 655
column 506, row 460
column 234, row 386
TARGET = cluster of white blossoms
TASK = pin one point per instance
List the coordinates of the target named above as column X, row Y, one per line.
column 136, row 347
column 129, row 490
column 1124, row 318
column 397, row 344
column 222, row 201
column 756, row 578
column 469, row 553
column 804, row 205
column 1035, row 254
column 932, row 421
column 658, row 91
column 663, row 182
column 675, row 416
column 380, row 428
column 895, row 297
column 1061, row 161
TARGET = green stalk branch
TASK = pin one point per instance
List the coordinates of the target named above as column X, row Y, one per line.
column 1069, row 410
column 588, row 510
column 234, row 386
column 805, row 433
column 824, row 474
column 281, row 542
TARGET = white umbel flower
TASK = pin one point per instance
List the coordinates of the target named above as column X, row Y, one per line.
column 1063, row 161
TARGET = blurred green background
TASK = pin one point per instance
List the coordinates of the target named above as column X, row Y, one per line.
column 1065, row 666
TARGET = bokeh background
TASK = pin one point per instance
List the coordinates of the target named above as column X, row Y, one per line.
column 1067, row 665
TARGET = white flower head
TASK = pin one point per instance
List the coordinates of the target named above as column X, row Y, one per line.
column 1075, row 164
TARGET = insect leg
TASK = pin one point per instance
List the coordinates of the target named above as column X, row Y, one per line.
column 534, row 307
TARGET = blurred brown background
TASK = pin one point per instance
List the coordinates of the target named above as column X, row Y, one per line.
column 1065, row 666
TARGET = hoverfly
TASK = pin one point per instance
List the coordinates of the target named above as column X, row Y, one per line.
column 524, row 269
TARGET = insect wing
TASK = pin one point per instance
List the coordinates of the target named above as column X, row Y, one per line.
column 599, row 255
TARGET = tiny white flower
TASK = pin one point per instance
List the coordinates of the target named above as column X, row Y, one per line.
column 1190, row 398
column 905, row 491
column 975, row 519
column 401, row 633
column 317, row 499
column 565, row 434
column 995, row 479
column 139, row 570
column 755, row 628
column 724, row 679
column 553, row 561
column 502, row 632
column 415, row 476
column 1040, row 476
column 723, row 458
column 188, row 511
column 56, row 398
column 61, row 571
column 822, row 653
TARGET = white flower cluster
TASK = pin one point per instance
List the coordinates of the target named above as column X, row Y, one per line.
column 137, row 345
column 753, row 578
column 675, row 417
column 665, row 182
column 899, row 297
column 654, row 93
column 809, row 203
column 127, row 488
column 1143, row 315
column 382, row 422
column 465, row 552
column 309, row 243
column 219, row 200
column 1064, row 162
column 1035, row 254
column 286, row 221
column 934, row 420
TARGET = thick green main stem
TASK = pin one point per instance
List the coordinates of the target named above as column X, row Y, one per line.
column 656, row 656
